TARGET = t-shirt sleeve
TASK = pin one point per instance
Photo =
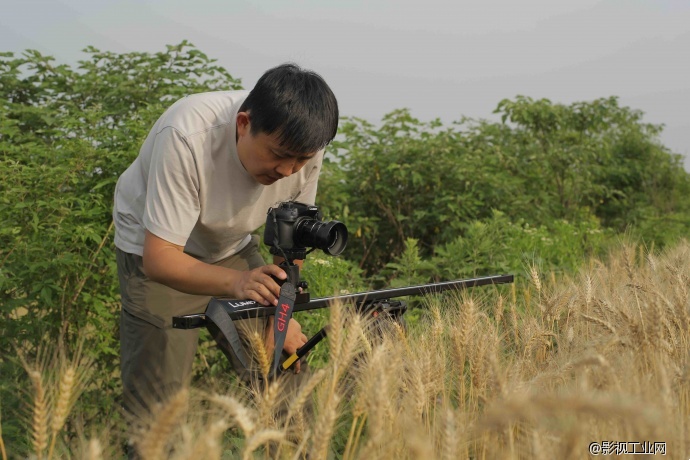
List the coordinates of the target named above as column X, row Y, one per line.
column 308, row 193
column 172, row 200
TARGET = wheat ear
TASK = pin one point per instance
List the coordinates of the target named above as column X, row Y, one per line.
column 259, row 348
column 450, row 442
column 239, row 412
column 267, row 401
column 94, row 451
column 536, row 280
column 208, row 446
column 259, row 438
column 39, row 425
column 304, row 393
column 63, row 404
column 325, row 425
column 152, row 444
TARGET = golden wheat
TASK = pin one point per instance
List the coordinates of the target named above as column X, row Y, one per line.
column 243, row 416
column 40, row 418
column 258, row 347
column 152, row 443
column 260, row 438
column 601, row 355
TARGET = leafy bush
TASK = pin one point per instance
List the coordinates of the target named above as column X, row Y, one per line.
column 544, row 162
column 497, row 246
column 67, row 135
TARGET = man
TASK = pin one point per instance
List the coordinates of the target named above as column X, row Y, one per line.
column 185, row 209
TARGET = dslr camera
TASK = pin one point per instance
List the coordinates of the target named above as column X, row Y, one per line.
column 292, row 227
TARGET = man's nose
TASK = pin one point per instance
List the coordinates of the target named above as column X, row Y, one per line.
column 287, row 167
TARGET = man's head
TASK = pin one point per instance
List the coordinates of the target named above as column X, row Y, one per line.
column 287, row 118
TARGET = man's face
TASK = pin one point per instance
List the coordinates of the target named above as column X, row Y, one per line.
column 263, row 157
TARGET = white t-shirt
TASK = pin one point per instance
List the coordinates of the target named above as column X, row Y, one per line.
column 188, row 186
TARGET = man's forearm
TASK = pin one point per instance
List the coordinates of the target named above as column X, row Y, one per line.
column 167, row 264
column 184, row 273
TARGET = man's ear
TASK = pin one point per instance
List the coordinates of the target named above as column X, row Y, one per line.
column 243, row 123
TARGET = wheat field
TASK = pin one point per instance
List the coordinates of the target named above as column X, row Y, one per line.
column 538, row 370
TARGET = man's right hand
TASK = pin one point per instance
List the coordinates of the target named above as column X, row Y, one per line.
column 257, row 284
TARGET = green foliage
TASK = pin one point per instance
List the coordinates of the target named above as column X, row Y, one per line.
column 328, row 276
column 406, row 179
column 67, row 134
column 545, row 162
column 594, row 155
column 498, row 245
column 548, row 186
column 410, row 269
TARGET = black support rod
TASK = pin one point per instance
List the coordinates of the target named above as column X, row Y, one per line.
column 243, row 309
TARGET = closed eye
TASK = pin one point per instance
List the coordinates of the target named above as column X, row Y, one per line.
column 300, row 159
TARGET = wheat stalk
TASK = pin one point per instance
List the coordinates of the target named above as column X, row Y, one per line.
column 499, row 309
column 259, row 348
column 63, row 405
column 468, row 319
column 601, row 322
column 449, row 449
column 325, row 426
column 259, row 438
column 536, row 280
column 94, row 450
column 349, row 347
column 239, row 413
column 208, row 446
column 304, row 393
column 335, row 331
column 40, row 414
column 152, row 442
column 372, row 396
column 267, row 401
column 514, row 315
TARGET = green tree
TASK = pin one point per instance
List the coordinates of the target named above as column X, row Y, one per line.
column 595, row 157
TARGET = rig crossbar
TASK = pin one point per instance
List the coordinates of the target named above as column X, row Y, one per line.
column 243, row 309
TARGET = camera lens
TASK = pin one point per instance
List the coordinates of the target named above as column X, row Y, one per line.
column 331, row 237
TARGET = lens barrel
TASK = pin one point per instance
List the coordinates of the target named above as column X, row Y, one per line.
column 330, row 237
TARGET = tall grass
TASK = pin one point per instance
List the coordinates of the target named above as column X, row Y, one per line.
column 535, row 372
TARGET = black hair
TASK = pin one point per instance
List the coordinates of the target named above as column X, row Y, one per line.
column 297, row 105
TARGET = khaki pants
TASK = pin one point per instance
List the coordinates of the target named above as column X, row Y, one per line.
column 156, row 360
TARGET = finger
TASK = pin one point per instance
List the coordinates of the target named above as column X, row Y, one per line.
column 274, row 270
column 256, row 297
column 295, row 326
column 263, row 295
column 269, row 288
column 264, row 277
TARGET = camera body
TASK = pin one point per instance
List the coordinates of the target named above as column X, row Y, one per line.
column 292, row 227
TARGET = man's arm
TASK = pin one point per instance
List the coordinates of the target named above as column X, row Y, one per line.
column 166, row 263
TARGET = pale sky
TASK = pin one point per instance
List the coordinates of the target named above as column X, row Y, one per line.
column 439, row 58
